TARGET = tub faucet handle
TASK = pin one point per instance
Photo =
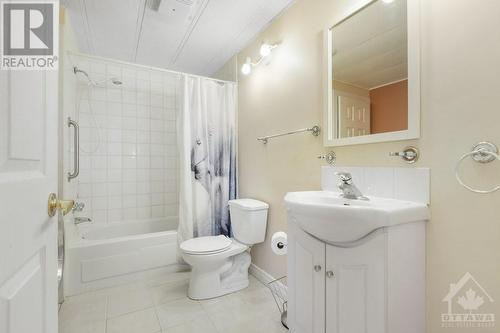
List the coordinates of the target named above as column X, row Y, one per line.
column 78, row 206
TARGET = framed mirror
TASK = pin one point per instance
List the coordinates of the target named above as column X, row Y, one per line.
column 372, row 74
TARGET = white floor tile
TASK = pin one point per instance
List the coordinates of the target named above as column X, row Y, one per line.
column 169, row 292
column 179, row 312
column 260, row 301
column 144, row 321
column 199, row 325
column 159, row 304
column 229, row 305
column 123, row 300
column 251, row 323
column 82, row 327
column 85, row 308
column 167, row 278
column 254, row 284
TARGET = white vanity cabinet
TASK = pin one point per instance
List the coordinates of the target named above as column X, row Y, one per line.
column 372, row 286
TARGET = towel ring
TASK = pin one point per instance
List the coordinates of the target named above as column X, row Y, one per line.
column 483, row 152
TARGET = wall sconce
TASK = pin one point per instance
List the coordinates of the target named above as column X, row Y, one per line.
column 265, row 51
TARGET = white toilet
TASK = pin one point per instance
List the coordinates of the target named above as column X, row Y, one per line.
column 220, row 264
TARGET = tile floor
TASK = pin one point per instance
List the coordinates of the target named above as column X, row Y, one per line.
column 161, row 306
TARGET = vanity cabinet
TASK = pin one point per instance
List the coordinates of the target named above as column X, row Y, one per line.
column 375, row 285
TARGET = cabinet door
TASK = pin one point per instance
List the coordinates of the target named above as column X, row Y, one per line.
column 356, row 287
column 306, row 282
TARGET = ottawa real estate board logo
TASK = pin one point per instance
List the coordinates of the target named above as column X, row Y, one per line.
column 29, row 35
column 468, row 304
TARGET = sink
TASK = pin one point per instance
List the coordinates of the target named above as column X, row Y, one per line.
column 331, row 218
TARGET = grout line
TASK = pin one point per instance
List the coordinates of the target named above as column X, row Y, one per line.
column 106, row 314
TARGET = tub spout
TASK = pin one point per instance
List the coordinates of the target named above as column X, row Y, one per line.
column 79, row 220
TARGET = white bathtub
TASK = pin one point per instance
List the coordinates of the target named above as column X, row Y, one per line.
column 99, row 256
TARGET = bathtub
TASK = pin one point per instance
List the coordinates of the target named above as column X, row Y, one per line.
column 104, row 255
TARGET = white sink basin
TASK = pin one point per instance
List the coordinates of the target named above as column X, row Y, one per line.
column 332, row 218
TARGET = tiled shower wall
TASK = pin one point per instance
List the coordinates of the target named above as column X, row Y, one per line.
column 128, row 148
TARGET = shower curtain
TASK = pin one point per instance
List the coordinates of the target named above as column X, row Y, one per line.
column 207, row 152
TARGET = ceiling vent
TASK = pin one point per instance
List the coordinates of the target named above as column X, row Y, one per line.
column 154, row 5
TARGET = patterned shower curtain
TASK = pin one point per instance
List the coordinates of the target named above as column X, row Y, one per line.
column 207, row 145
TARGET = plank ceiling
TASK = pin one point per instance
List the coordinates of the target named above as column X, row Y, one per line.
column 370, row 47
column 194, row 36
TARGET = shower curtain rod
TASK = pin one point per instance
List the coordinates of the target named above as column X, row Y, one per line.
column 79, row 54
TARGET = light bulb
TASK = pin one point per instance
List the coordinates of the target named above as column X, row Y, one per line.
column 388, row 1
column 247, row 67
column 265, row 50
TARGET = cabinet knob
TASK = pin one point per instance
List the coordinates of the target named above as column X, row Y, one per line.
column 330, row 274
column 317, row 268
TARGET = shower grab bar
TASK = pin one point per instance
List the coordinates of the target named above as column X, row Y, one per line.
column 76, row 147
column 315, row 131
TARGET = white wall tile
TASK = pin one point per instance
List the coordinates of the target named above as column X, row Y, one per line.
column 130, row 110
column 129, row 157
column 379, row 182
column 129, row 214
column 115, row 202
column 99, row 190
column 129, row 201
column 411, row 184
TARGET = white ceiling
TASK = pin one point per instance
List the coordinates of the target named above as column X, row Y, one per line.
column 194, row 36
column 370, row 48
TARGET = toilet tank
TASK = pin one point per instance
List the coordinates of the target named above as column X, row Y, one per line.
column 248, row 220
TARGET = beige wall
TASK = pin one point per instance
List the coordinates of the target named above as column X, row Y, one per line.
column 459, row 45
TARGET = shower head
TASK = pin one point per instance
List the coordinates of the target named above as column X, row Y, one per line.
column 113, row 80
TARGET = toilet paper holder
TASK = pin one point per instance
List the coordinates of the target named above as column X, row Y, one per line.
column 281, row 245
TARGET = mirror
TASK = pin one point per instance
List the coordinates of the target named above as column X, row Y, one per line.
column 373, row 75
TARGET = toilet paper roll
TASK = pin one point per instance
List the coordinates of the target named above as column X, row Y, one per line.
column 279, row 243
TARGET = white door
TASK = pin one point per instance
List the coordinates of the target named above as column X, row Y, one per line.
column 354, row 116
column 28, row 173
column 306, row 282
column 355, row 288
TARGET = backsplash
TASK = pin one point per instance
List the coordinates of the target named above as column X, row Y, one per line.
column 411, row 184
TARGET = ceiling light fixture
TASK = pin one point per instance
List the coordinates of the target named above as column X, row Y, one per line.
column 388, row 1
column 265, row 49
column 247, row 67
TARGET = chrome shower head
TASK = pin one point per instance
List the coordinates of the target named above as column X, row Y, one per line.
column 113, row 80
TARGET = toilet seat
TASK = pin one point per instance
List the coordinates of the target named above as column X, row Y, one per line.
column 206, row 245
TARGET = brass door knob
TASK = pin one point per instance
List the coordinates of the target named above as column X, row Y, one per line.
column 54, row 204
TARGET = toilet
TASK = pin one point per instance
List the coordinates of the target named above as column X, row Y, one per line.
column 219, row 265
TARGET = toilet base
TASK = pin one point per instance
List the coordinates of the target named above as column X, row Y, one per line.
column 217, row 279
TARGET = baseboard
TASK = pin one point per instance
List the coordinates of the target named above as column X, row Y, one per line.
column 262, row 275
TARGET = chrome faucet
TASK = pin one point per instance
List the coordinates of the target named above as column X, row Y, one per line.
column 79, row 220
column 349, row 190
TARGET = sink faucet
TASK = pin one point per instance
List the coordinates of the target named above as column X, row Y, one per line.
column 79, row 220
column 349, row 190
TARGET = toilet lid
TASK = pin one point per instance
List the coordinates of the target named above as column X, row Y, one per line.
column 206, row 245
